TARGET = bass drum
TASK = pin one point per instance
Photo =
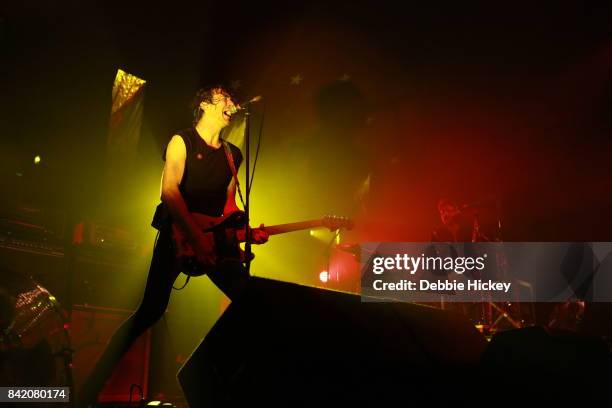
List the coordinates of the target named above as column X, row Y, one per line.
column 34, row 341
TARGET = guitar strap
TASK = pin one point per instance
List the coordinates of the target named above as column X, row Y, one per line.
column 230, row 161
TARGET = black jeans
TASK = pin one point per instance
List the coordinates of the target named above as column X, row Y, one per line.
column 231, row 277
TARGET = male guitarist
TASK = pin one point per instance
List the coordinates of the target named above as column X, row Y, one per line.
column 197, row 178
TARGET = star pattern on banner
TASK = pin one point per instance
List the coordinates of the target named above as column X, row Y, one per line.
column 296, row 79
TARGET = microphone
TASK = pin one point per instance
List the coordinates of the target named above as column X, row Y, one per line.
column 244, row 105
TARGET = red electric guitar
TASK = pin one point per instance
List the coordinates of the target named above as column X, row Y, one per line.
column 224, row 234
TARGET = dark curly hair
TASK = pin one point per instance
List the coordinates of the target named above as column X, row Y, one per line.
column 205, row 95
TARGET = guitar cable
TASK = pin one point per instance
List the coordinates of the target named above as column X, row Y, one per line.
column 184, row 284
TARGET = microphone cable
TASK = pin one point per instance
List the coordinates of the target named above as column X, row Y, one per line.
column 259, row 137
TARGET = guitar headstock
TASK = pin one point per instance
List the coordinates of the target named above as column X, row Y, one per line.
column 334, row 222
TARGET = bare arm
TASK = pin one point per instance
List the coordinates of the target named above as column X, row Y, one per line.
column 174, row 168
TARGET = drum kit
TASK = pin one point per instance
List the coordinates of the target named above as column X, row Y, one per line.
column 462, row 223
column 478, row 221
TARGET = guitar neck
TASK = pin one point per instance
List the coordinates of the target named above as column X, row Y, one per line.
column 293, row 226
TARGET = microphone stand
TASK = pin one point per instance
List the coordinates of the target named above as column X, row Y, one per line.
column 247, row 206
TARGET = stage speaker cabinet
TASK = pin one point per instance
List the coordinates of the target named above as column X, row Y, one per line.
column 282, row 343
column 91, row 328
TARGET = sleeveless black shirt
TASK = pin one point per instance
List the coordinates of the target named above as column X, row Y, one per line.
column 207, row 174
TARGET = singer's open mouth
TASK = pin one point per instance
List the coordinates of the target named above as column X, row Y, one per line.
column 227, row 115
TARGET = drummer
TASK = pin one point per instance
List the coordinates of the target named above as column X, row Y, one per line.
column 455, row 226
